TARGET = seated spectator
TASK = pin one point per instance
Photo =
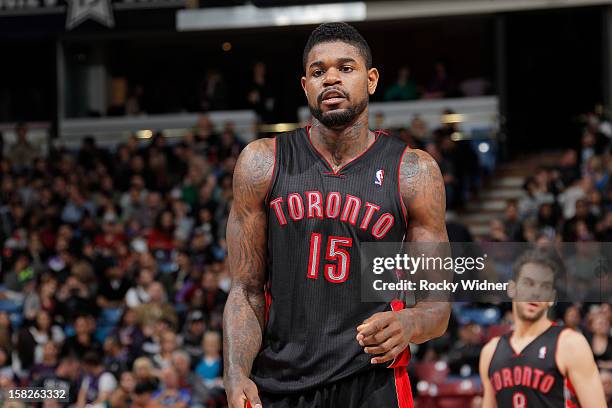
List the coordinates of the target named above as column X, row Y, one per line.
column 21, row 274
column 77, row 207
column 168, row 345
column 547, row 216
column 574, row 228
column 122, row 396
column 74, row 298
column 213, row 92
column 208, row 297
column 23, row 153
column 404, row 89
column 65, row 378
column 195, row 327
column 32, row 340
column 161, row 236
column 144, row 371
column 157, row 309
column 170, row 394
column 112, row 290
column 48, row 363
column 6, row 368
column 536, row 194
column 142, row 397
column 511, row 221
column 441, row 84
column 138, row 295
column 98, row 384
column 572, row 318
column 130, row 334
column 600, row 340
column 115, row 356
column 200, row 393
column 111, row 234
column 210, row 367
column 464, row 354
column 44, row 299
column 568, row 198
column 83, row 341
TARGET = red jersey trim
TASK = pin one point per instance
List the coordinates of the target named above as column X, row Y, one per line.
column 331, row 168
column 273, row 178
column 399, row 187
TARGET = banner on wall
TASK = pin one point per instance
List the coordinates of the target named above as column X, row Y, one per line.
column 76, row 12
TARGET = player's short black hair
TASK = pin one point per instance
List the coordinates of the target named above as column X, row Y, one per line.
column 543, row 257
column 331, row 32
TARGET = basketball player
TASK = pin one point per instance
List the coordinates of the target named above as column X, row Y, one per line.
column 303, row 203
column 539, row 364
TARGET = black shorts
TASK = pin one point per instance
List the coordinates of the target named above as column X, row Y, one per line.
column 374, row 388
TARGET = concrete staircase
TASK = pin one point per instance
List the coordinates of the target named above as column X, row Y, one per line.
column 505, row 184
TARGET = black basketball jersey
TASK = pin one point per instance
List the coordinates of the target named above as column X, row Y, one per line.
column 317, row 219
column 531, row 378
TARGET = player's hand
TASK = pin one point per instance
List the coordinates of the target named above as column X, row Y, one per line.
column 240, row 391
column 385, row 335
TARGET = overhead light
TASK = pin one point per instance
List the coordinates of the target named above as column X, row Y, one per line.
column 484, row 147
column 453, row 118
column 456, row 136
column 144, row 134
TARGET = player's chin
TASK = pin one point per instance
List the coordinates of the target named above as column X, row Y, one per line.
column 336, row 108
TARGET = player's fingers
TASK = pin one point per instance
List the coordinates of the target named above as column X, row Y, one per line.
column 388, row 356
column 373, row 326
column 383, row 347
column 373, row 317
column 381, row 336
column 252, row 395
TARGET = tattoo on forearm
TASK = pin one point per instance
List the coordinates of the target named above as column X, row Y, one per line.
column 243, row 319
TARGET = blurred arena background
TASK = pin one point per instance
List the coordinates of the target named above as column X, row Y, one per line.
column 121, row 122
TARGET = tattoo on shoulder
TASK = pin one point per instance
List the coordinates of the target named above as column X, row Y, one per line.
column 410, row 165
column 420, row 176
column 255, row 168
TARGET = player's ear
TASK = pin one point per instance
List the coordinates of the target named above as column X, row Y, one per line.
column 373, row 76
column 304, row 86
column 553, row 298
column 511, row 289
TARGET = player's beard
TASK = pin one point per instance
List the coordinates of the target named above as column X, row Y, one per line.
column 338, row 118
column 530, row 318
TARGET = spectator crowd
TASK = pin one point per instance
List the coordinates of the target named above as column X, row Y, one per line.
column 114, row 273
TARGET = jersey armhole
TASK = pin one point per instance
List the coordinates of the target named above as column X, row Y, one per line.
column 274, row 173
column 399, row 187
column 557, row 351
column 499, row 339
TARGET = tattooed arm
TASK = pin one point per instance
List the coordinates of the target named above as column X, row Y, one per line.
column 422, row 189
column 243, row 318
column 387, row 334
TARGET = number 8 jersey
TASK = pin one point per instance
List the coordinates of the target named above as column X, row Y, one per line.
column 530, row 378
column 317, row 219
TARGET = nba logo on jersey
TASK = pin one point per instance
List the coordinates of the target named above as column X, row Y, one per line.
column 380, row 175
column 542, row 353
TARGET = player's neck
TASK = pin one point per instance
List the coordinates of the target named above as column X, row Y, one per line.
column 340, row 146
column 525, row 328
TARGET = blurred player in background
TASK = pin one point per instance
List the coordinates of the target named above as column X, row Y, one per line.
column 539, row 364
